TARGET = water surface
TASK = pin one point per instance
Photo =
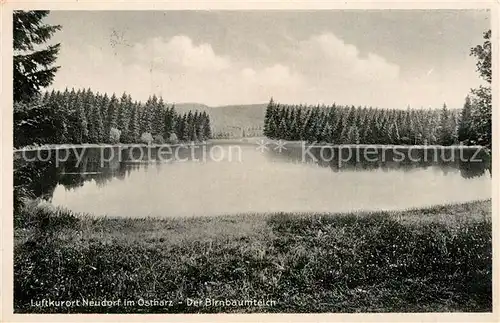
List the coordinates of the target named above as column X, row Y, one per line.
column 211, row 182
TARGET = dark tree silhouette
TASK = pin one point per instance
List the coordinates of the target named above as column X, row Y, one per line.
column 33, row 69
column 481, row 97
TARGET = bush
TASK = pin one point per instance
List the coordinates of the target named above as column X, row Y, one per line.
column 158, row 139
column 114, row 135
column 146, row 138
column 173, row 138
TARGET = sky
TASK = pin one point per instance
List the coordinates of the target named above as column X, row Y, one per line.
column 382, row 58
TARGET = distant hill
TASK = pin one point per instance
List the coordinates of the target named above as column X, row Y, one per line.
column 231, row 121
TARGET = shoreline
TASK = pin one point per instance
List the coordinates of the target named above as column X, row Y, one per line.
column 245, row 142
column 42, row 203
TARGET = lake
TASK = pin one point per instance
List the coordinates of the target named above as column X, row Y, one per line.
column 227, row 178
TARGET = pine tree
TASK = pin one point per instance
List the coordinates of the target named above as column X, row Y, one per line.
column 146, row 117
column 157, row 109
column 97, row 126
column 168, row 124
column 339, row 125
column 282, row 129
column 104, row 105
column 308, row 131
column 353, row 135
column 89, row 103
column 33, row 69
column 134, row 128
column 207, row 131
column 299, row 124
column 121, row 114
column 327, row 133
column 348, row 122
column 81, row 130
column 181, row 126
column 111, row 120
column 432, row 127
column 127, row 116
column 189, row 129
column 267, row 119
column 294, row 128
column 366, row 129
column 394, row 137
column 444, row 129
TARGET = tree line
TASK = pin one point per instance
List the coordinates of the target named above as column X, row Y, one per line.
column 72, row 117
column 361, row 125
column 352, row 125
column 83, row 116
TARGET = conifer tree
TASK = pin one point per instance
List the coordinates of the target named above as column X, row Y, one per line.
column 112, row 115
column 33, row 66
column 168, row 122
column 121, row 115
column 444, row 129
column 146, row 116
column 157, row 118
column 134, row 128
column 353, row 135
column 207, row 131
column 103, row 106
column 81, row 130
column 96, row 125
column 327, row 132
column 464, row 126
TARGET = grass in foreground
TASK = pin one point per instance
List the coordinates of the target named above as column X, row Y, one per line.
column 433, row 259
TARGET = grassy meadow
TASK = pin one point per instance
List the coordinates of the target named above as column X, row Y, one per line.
column 432, row 259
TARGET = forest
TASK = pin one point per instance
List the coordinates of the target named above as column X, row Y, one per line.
column 81, row 116
column 338, row 124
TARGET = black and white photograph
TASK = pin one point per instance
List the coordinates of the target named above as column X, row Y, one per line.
column 252, row 161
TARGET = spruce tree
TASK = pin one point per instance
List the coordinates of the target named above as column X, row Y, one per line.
column 168, row 124
column 112, row 115
column 189, row 129
column 157, row 110
column 104, row 105
column 327, row 132
column 33, row 66
column 134, row 128
column 268, row 117
column 299, row 123
column 146, row 116
column 353, row 135
column 207, row 130
column 81, row 130
column 444, row 129
column 97, row 125
column 121, row 115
